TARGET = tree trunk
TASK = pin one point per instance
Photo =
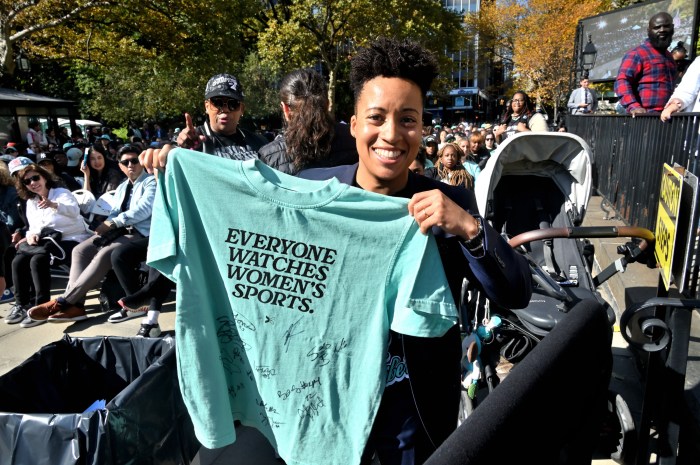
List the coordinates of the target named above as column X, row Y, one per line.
column 332, row 78
column 7, row 63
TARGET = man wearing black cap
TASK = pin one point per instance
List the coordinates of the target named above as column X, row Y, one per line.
column 220, row 135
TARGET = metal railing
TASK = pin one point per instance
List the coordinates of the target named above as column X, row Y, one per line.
column 627, row 155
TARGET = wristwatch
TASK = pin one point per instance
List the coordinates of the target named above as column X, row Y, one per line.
column 476, row 242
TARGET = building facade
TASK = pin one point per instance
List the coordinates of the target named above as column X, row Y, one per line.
column 471, row 97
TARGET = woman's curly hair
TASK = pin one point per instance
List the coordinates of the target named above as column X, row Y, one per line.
column 387, row 57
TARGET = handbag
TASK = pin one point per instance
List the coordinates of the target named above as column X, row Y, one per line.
column 109, row 236
column 49, row 239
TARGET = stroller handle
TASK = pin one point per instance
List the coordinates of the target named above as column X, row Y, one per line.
column 584, row 232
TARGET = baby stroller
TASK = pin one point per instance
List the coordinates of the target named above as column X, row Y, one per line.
column 535, row 191
column 536, row 182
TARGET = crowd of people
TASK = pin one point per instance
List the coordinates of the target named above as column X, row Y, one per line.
column 386, row 149
column 50, row 177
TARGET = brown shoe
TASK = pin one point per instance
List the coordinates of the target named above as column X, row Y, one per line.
column 44, row 311
column 72, row 313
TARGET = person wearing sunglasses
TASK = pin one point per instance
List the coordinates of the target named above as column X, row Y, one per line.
column 48, row 205
column 129, row 220
column 221, row 134
column 490, row 142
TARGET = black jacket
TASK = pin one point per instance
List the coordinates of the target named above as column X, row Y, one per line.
column 343, row 152
column 503, row 274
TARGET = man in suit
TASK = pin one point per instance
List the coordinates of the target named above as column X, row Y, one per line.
column 583, row 100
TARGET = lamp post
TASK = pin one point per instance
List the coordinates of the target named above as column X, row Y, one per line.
column 23, row 62
column 588, row 56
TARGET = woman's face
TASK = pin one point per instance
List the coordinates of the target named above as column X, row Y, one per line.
column 387, row 129
column 518, row 103
column 490, row 140
column 97, row 161
column 450, row 157
column 464, row 145
column 35, row 182
column 473, row 145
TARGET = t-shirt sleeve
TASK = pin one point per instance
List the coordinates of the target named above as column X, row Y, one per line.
column 162, row 243
column 423, row 304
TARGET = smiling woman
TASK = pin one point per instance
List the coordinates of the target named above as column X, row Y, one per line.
column 390, row 79
column 49, row 208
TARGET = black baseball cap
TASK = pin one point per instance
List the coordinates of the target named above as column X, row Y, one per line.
column 224, row 85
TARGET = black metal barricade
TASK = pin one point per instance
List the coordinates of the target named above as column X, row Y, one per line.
column 627, row 154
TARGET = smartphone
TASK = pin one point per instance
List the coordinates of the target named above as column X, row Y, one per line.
column 86, row 155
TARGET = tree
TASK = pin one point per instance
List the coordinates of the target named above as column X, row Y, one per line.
column 543, row 54
column 19, row 20
column 136, row 59
column 305, row 33
column 495, row 28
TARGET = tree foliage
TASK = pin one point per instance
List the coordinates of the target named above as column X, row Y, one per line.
column 543, row 54
column 495, row 29
column 533, row 40
column 303, row 33
column 133, row 58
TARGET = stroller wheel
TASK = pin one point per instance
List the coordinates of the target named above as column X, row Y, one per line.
column 618, row 434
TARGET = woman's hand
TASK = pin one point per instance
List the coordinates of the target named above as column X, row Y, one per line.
column 86, row 170
column 16, row 238
column 155, row 159
column 32, row 239
column 433, row 208
column 46, row 203
column 671, row 107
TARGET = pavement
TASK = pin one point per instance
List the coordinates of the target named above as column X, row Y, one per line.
column 637, row 283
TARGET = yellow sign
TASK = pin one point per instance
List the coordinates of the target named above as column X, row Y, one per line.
column 667, row 220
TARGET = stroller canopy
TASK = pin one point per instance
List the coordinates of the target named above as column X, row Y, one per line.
column 563, row 157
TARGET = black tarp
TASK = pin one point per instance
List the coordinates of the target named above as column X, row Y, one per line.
column 144, row 420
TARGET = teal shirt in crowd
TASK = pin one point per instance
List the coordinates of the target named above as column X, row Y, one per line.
column 286, row 291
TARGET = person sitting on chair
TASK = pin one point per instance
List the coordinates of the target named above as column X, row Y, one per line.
column 129, row 220
column 49, row 209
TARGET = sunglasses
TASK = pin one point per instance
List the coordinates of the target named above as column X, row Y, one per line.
column 231, row 103
column 130, row 161
column 31, row 179
column 489, row 138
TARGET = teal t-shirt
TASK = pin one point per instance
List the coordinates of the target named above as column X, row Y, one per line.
column 286, row 291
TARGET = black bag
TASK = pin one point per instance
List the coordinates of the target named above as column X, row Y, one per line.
column 49, row 239
column 109, row 236
column 45, row 401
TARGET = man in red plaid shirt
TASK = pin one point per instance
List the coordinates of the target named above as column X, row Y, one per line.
column 647, row 73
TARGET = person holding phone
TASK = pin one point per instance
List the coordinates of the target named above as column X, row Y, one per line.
column 101, row 174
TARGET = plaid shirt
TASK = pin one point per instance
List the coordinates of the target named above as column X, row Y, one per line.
column 646, row 78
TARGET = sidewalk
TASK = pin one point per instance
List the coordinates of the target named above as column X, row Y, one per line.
column 637, row 283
